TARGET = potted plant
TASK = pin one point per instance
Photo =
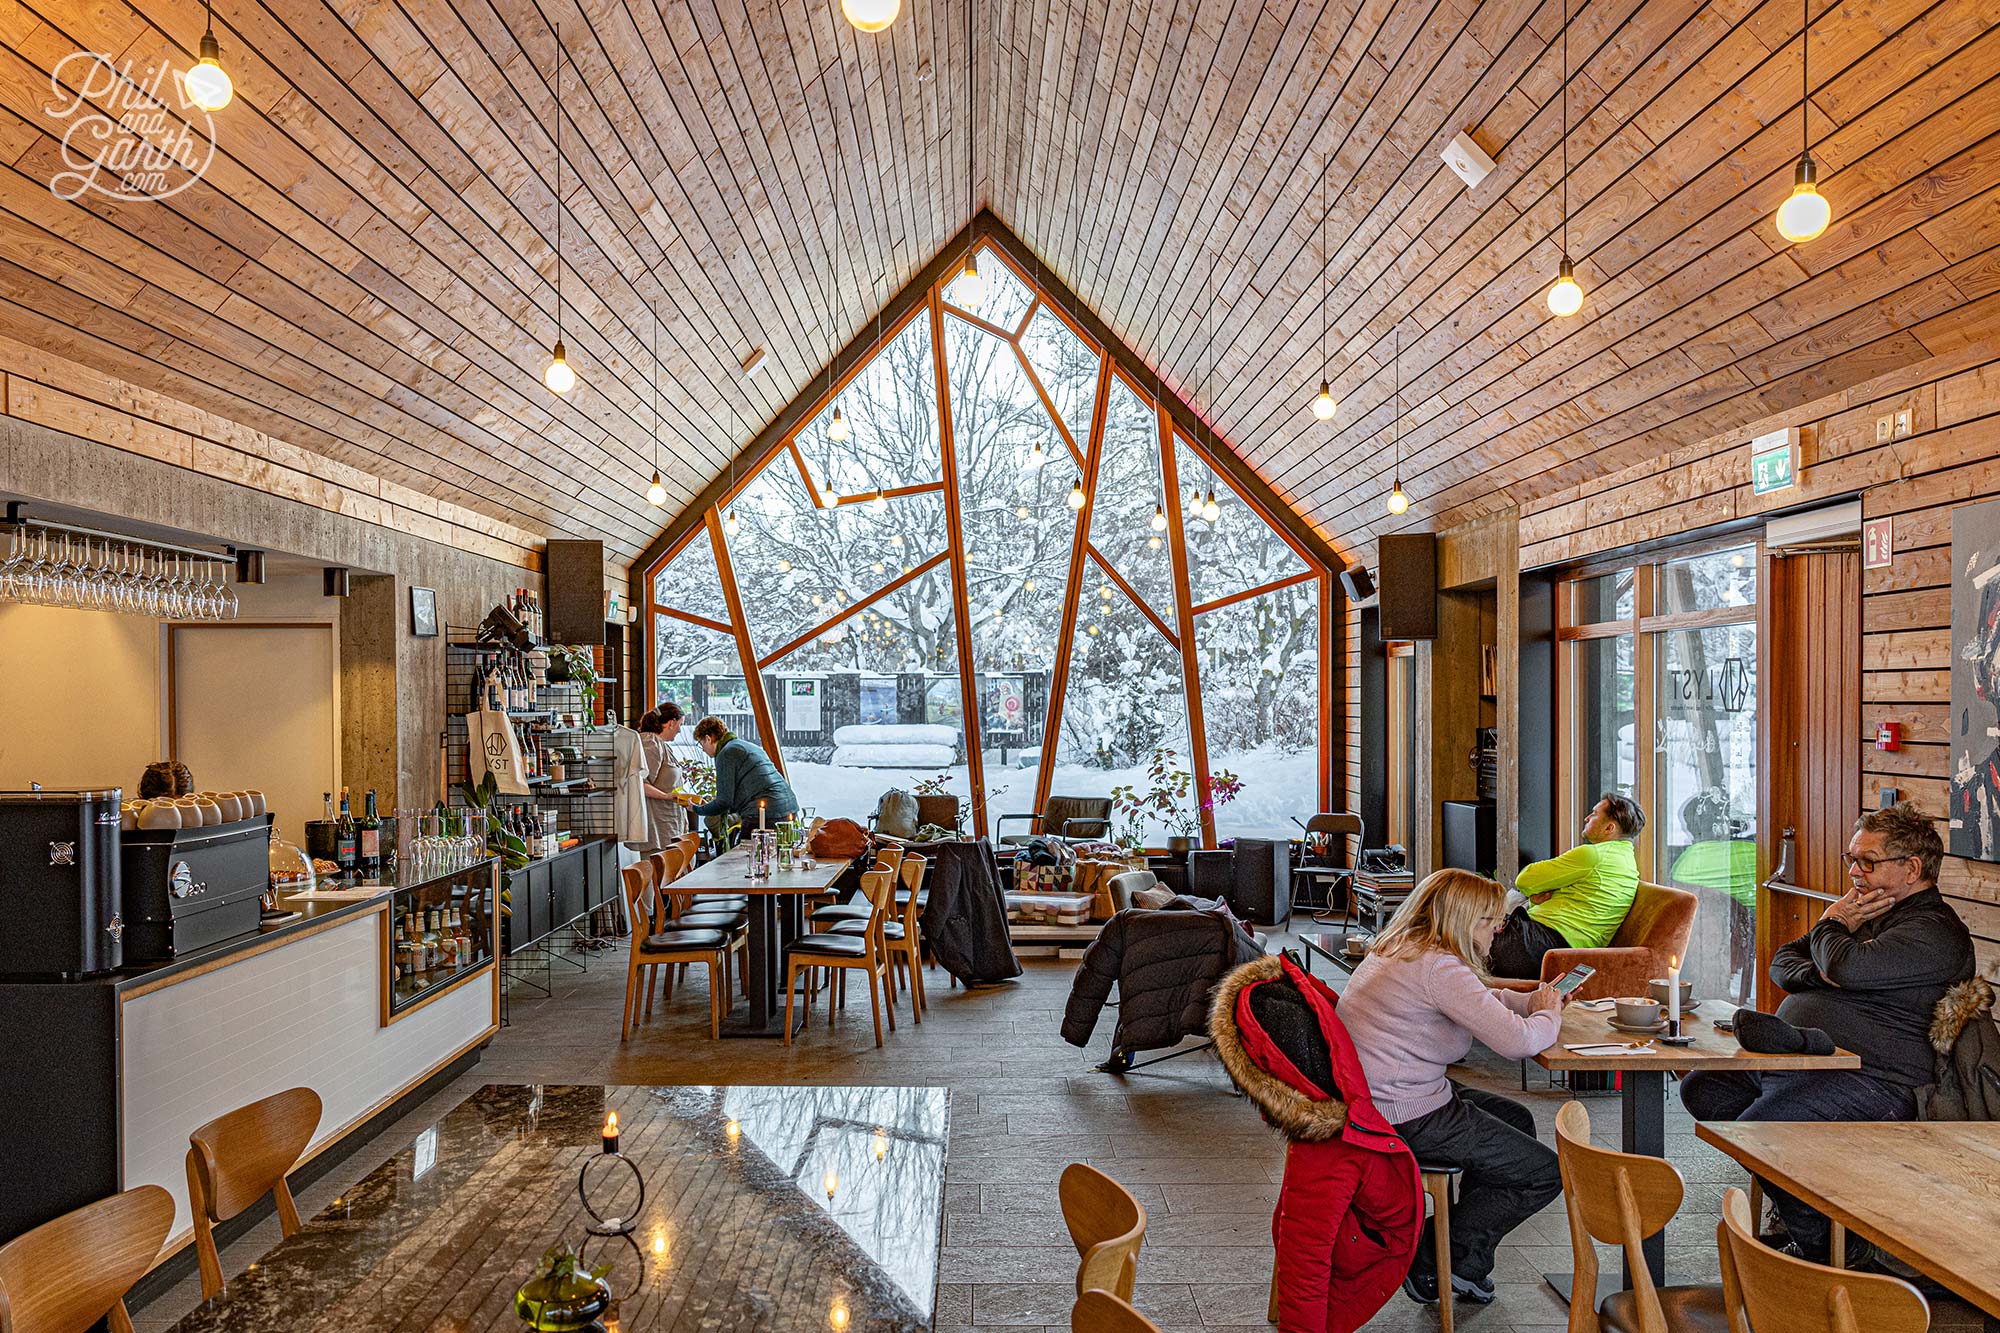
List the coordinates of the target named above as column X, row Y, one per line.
column 1164, row 799
column 575, row 664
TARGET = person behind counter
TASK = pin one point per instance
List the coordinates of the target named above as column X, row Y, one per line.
column 165, row 777
column 664, row 818
column 744, row 776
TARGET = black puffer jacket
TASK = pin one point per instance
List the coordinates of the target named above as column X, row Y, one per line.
column 1165, row 963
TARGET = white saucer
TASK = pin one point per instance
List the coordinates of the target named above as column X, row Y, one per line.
column 1650, row 1029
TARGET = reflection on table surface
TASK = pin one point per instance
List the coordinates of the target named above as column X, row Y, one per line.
column 737, row 1230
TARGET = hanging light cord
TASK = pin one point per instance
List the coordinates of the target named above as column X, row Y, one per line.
column 1325, row 263
column 559, row 202
column 1805, row 78
column 1565, row 129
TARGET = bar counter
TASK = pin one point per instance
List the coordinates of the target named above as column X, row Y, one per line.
column 105, row 1077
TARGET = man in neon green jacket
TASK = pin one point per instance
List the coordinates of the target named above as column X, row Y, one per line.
column 1577, row 900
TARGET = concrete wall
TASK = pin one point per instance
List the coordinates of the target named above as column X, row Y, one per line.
column 42, row 464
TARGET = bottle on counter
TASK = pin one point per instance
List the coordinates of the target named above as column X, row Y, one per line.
column 368, row 836
column 328, row 798
column 344, row 847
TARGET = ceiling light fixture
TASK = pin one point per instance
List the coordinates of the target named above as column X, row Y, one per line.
column 1806, row 213
column 656, row 494
column 208, row 83
column 1076, row 493
column 836, row 430
column 968, row 288
column 558, row 376
column 1324, row 405
column 1036, row 455
column 1210, row 510
column 871, row 15
column 1159, row 520
column 880, row 504
column 1399, row 503
column 1565, row 296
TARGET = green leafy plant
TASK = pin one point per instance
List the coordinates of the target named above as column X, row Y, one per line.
column 1164, row 798
column 482, row 796
column 581, row 668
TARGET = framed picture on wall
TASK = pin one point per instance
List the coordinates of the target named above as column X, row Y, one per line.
column 1975, row 682
column 424, row 612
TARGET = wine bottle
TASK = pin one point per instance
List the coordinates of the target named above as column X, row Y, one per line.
column 328, row 798
column 343, row 838
column 368, row 854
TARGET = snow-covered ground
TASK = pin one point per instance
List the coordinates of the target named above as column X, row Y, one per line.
column 1276, row 787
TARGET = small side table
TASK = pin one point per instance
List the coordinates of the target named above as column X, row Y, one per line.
column 1332, row 946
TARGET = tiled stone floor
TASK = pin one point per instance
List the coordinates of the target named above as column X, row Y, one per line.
column 1024, row 1104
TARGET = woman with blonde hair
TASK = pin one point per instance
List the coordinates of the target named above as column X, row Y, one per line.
column 1414, row 1008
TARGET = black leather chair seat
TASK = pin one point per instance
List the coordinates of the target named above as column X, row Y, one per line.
column 857, row 911
column 684, row 941
column 1688, row 1310
column 827, row 946
column 723, row 921
column 890, row 930
column 722, row 900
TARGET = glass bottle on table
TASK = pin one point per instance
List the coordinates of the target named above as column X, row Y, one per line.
column 368, row 835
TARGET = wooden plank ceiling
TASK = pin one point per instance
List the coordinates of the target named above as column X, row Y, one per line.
column 364, row 275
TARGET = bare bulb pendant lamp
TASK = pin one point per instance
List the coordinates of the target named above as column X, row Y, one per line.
column 871, row 15
column 968, row 288
column 1159, row 521
column 558, row 376
column 1324, row 405
column 208, row 83
column 1806, row 213
column 837, row 429
column 1076, row 494
column 1399, row 503
column 1210, row 510
column 1036, row 455
column 1565, row 296
column 656, row 494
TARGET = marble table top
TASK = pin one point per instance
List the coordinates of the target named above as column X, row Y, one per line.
column 737, row 1231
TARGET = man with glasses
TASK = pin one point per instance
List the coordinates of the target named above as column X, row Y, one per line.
column 1867, row 979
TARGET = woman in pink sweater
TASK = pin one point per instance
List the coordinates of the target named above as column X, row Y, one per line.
column 1414, row 1008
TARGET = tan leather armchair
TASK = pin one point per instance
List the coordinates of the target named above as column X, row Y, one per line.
column 1656, row 928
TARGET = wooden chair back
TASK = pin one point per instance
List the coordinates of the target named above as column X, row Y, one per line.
column 70, row 1272
column 239, row 1157
column 912, row 873
column 879, row 888
column 1107, row 1226
column 1617, row 1198
column 1101, row 1312
column 1772, row 1292
column 638, row 883
column 656, row 865
column 889, row 859
column 673, row 864
column 690, row 845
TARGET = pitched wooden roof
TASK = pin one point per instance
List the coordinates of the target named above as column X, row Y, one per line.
column 362, row 278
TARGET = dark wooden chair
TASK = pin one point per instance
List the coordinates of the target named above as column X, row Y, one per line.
column 1072, row 818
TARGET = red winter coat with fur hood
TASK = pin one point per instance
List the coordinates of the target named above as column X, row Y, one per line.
column 1351, row 1209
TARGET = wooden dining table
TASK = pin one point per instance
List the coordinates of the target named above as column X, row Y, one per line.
column 1642, row 1068
column 739, row 1228
column 1927, row 1192
column 777, row 917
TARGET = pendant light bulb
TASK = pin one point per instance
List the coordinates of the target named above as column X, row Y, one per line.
column 1036, row 455
column 1565, row 297
column 1076, row 494
column 208, row 83
column 1210, row 510
column 880, row 504
column 837, row 430
column 1194, row 503
column 729, row 524
column 1325, row 405
column 871, row 15
column 1153, row 542
column 968, row 289
column 656, row 494
column 559, row 377
column 1159, row 518
column 1399, row 503
column 1807, row 213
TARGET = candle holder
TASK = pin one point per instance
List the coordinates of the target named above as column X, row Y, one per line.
column 1673, row 1035
column 602, row 1182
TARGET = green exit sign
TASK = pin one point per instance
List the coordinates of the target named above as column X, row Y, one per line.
column 1774, row 461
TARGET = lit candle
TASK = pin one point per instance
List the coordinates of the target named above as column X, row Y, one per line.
column 611, row 1132
column 837, row 1317
column 761, row 803
column 1674, row 994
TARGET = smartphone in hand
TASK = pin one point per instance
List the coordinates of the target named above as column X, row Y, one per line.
column 1575, row 977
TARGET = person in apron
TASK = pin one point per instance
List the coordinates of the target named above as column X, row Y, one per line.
column 665, row 819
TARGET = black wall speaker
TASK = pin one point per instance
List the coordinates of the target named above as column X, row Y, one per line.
column 1359, row 587
column 574, row 612
column 1406, row 569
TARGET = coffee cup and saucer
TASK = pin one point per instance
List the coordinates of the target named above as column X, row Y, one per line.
column 1639, row 1015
